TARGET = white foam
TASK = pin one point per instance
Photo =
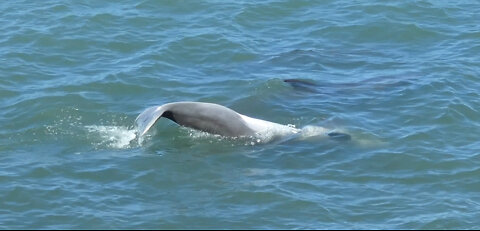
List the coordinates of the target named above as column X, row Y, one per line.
column 113, row 136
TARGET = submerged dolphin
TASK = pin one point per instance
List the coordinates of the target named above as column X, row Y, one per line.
column 212, row 118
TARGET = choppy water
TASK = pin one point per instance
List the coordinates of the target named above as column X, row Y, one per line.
column 402, row 77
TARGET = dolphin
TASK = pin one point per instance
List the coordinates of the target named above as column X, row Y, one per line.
column 211, row 118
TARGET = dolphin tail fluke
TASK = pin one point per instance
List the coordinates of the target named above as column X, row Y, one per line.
column 147, row 119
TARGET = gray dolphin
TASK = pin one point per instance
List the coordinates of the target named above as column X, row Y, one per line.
column 207, row 117
column 215, row 119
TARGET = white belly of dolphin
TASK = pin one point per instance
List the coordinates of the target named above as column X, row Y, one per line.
column 262, row 126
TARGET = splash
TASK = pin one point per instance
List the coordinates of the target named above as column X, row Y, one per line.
column 112, row 136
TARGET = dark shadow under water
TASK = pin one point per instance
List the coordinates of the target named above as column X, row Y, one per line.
column 381, row 83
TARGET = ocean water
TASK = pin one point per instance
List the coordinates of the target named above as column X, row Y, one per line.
column 401, row 77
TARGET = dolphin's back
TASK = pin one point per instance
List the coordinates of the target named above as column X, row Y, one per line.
column 207, row 117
